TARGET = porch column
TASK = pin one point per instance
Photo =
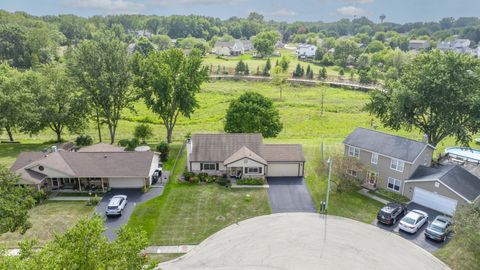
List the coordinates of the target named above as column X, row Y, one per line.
column 79, row 185
column 103, row 188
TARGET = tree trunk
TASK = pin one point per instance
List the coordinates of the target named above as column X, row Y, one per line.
column 9, row 132
column 169, row 135
column 59, row 136
column 98, row 126
column 112, row 134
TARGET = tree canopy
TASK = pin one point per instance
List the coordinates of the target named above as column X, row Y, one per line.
column 252, row 113
column 438, row 94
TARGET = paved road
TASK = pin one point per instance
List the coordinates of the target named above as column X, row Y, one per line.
column 289, row 195
column 419, row 237
column 134, row 197
column 304, row 241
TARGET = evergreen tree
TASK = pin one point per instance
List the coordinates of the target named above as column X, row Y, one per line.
column 268, row 66
column 247, row 71
column 298, row 71
column 240, row 68
column 322, row 75
column 302, row 72
column 309, row 69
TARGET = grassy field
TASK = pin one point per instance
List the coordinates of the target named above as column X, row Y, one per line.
column 48, row 219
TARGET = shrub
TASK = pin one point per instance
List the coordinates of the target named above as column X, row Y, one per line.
column 164, row 150
column 251, row 181
column 188, row 176
column 212, row 179
column 202, row 177
column 84, row 140
column 123, row 142
column 146, row 189
column 132, row 144
column 222, row 181
column 143, row 132
column 93, row 201
column 39, row 196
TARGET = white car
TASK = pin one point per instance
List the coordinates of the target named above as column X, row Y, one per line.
column 116, row 205
column 413, row 221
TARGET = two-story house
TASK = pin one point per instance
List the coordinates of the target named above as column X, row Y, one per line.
column 405, row 166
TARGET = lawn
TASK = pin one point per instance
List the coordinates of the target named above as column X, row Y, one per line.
column 189, row 213
column 47, row 219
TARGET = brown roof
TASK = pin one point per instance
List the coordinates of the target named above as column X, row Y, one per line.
column 102, row 147
column 220, row 147
column 244, row 152
column 26, row 158
column 282, row 152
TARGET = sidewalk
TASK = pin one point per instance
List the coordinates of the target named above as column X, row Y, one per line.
column 365, row 192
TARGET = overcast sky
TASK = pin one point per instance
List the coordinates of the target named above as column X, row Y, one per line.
column 286, row 10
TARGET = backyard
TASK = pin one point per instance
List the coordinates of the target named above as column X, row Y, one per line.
column 48, row 219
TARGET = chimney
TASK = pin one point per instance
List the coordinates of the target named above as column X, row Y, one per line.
column 189, row 151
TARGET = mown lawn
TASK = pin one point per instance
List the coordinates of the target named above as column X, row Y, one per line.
column 47, row 219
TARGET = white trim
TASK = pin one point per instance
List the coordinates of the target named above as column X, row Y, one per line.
column 355, row 149
column 376, row 158
column 214, row 165
column 394, row 181
column 398, row 162
column 438, row 180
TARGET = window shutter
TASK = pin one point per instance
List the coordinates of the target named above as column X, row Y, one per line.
column 246, row 169
column 216, row 166
column 201, row 166
column 259, row 169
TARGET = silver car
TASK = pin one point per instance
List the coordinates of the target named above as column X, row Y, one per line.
column 413, row 221
column 439, row 229
column 116, row 205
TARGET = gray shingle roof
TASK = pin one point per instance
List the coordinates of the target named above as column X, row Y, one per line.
column 385, row 144
column 102, row 147
column 454, row 176
column 219, row 147
column 244, row 152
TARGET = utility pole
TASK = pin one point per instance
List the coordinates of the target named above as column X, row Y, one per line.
column 328, row 183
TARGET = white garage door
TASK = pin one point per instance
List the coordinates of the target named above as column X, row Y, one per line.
column 126, row 182
column 284, row 169
column 434, row 201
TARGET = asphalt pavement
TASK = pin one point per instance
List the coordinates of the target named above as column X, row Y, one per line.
column 289, row 194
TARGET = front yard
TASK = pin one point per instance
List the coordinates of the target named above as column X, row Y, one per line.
column 47, row 219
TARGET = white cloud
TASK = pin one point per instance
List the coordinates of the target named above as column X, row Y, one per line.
column 359, row 1
column 283, row 12
column 194, row 2
column 108, row 6
column 350, row 11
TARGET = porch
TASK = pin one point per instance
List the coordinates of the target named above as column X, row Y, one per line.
column 87, row 185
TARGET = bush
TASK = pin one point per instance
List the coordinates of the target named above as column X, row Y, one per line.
column 251, row 181
column 202, row 177
column 146, row 189
column 93, row 201
column 84, row 140
column 39, row 196
column 164, row 150
column 143, row 132
column 123, row 142
column 222, row 181
column 188, row 176
column 132, row 144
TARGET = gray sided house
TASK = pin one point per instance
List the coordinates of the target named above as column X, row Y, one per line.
column 404, row 166
column 98, row 168
column 243, row 155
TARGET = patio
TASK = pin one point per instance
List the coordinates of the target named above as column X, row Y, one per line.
column 77, row 184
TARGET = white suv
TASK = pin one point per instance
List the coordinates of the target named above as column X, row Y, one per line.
column 116, row 205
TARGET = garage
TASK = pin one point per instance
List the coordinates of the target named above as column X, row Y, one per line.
column 434, row 201
column 285, row 169
column 126, row 182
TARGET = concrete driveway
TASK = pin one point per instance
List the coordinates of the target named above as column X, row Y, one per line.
column 289, row 194
column 419, row 237
column 304, row 241
column 134, row 197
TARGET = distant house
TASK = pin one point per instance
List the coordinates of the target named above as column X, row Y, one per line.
column 306, row 51
column 143, row 33
column 243, row 155
column 232, row 48
column 404, row 166
column 417, row 45
column 97, row 167
column 457, row 45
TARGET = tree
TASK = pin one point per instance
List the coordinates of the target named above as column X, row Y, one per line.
column 240, row 68
column 169, row 81
column 101, row 67
column 15, row 103
column 143, row 132
column 15, row 201
column 164, row 149
column 437, row 94
column 163, row 42
column 343, row 49
column 265, row 42
column 153, row 24
column 144, row 46
column 266, row 69
column 279, row 79
column 374, row 46
column 284, row 63
column 85, row 247
column 59, row 104
column 322, row 75
column 382, row 18
column 251, row 113
column 13, row 45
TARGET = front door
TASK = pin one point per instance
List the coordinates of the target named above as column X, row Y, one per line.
column 372, row 178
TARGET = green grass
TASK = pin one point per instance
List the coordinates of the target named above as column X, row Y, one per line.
column 455, row 256
column 189, row 213
column 164, row 257
column 48, row 219
column 390, row 196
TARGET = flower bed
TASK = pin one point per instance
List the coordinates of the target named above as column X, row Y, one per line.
column 251, row 182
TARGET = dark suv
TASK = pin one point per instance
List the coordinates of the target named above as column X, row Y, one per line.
column 391, row 213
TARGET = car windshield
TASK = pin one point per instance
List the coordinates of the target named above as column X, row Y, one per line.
column 437, row 228
column 112, row 207
column 385, row 214
column 409, row 220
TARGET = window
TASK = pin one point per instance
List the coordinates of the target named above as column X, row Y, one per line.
column 374, row 158
column 394, row 184
column 255, row 170
column 397, row 165
column 353, row 151
column 209, row 166
column 352, row 172
column 372, row 178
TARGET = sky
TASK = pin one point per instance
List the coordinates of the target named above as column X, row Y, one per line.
column 399, row 11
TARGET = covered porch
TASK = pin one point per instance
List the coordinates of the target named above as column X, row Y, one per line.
column 78, row 184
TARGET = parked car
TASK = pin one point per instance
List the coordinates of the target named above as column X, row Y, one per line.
column 413, row 221
column 391, row 213
column 116, row 205
column 439, row 229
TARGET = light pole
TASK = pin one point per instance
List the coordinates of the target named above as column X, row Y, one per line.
column 328, row 183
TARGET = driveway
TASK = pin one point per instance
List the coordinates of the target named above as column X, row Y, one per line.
column 134, row 197
column 417, row 238
column 304, row 241
column 289, row 194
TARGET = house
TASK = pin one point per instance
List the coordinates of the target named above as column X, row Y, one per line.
column 243, row 155
column 417, row 45
column 232, row 48
column 457, row 45
column 306, row 51
column 93, row 168
column 404, row 166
